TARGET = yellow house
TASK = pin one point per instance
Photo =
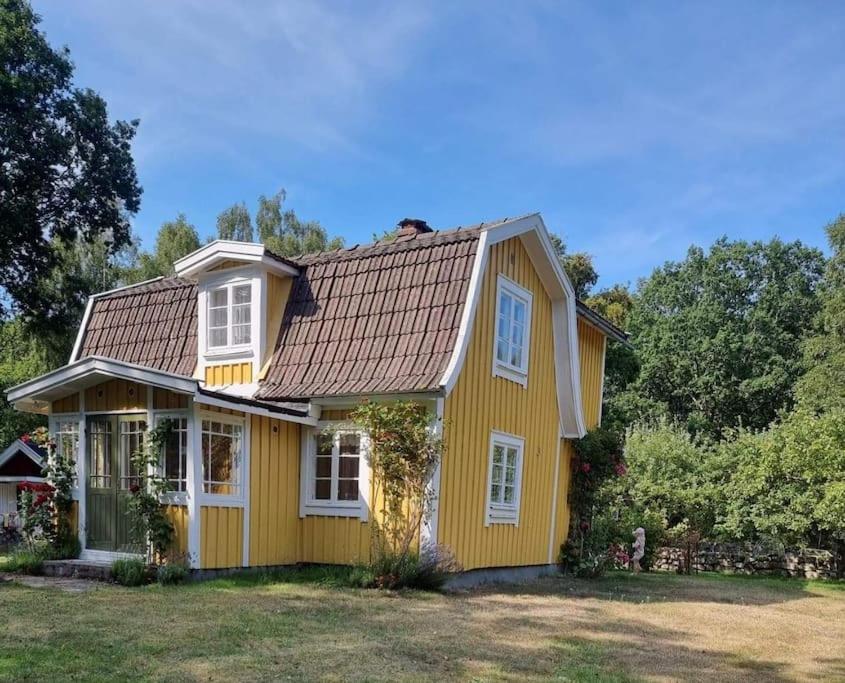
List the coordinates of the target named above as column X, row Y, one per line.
column 256, row 356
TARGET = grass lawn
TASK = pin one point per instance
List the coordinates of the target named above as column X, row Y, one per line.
column 300, row 626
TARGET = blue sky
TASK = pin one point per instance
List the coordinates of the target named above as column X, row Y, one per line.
column 636, row 129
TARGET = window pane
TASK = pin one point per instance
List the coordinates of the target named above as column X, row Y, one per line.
column 323, row 489
column 242, row 294
column 510, row 475
column 497, row 474
column 503, row 327
column 217, row 337
column 512, row 457
column 498, row 454
column 350, row 444
column 348, row 468
column 519, row 312
column 324, row 467
column 241, row 334
column 219, row 297
column 517, row 334
column 509, row 494
column 217, row 317
column 505, row 305
column 347, row 489
column 516, row 356
column 325, row 442
column 100, row 461
column 502, row 351
column 221, row 466
column 496, row 493
column 241, row 315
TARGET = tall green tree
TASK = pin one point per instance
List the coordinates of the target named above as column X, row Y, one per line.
column 175, row 239
column 22, row 357
column 235, row 223
column 578, row 266
column 719, row 334
column 67, row 171
column 823, row 385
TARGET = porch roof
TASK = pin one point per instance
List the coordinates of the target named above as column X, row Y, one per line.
column 36, row 395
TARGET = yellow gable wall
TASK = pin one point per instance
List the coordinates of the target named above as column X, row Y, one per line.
column 232, row 373
column 480, row 403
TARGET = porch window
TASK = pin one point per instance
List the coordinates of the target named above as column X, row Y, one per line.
column 99, row 466
column 504, row 479
column 174, row 457
column 230, row 316
column 131, row 442
column 66, row 431
column 222, row 455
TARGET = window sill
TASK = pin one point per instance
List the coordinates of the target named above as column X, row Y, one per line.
column 324, row 509
column 510, row 373
column 501, row 515
column 220, row 501
column 174, row 498
column 244, row 351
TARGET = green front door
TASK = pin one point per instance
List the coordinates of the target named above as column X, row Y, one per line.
column 111, row 441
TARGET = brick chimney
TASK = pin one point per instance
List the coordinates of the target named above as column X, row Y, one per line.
column 411, row 227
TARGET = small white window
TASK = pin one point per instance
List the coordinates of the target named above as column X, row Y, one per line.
column 504, row 479
column 66, row 432
column 335, row 473
column 513, row 331
column 222, row 457
column 230, row 316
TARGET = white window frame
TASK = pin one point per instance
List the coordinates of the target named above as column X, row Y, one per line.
column 229, row 287
column 55, row 421
column 503, row 513
column 175, row 497
column 518, row 374
column 311, row 506
column 224, row 499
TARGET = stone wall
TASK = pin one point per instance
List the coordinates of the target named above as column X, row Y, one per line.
column 733, row 558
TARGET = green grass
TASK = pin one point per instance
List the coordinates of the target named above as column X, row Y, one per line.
column 305, row 624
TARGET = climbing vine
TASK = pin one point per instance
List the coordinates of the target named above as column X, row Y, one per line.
column 149, row 524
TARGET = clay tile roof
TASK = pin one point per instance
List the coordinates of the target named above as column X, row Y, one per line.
column 379, row 318
column 153, row 324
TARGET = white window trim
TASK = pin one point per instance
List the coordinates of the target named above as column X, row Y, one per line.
column 498, row 513
column 311, row 507
column 222, row 499
column 176, row 497
column 501, row 368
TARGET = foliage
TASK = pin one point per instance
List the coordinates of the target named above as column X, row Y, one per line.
column 36, row 513
column 823, row 385
column 151, row 527
column 129, row 572
column 175, row 239
column 789, row 483
column 427, row 570
column 22, row 357
column 719, row 334
column 60, row 473
column 26, row 560
column 235, row 223
column 171, row 574
column 68, row 172
column 578, row 267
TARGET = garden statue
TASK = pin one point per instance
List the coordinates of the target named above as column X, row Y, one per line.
column 639, row 549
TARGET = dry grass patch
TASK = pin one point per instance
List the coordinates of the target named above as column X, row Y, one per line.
column 618, row 629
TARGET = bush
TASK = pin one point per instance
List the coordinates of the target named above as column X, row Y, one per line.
column 171, row 574
column 69, row 549
column 26, row 561
column 129, row 572
column 428, row 570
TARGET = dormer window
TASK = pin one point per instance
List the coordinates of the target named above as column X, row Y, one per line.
column 230, row 316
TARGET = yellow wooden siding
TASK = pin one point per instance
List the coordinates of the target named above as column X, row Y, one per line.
column 480, row 403
column 178, row 516
column 221, row 537
column 169, row 400
column 335, row 414
column 234, row 373
column 562, row 514
column 591, row 347
column 68, row 404
column 334, row 540
column 116, row 394
column 74, row 517
column 274, row 492
column 278, row 290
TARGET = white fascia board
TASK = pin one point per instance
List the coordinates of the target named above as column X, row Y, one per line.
column 80, row 334
column 218, row 251
column 105, row 366
column 535, row 238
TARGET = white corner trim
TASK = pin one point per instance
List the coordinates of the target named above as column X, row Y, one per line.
column 247, row 446
column 553, row 519
column 429, row 530
column 80, row 333
column 504, row 514
column 194, row 485
column 601, row 385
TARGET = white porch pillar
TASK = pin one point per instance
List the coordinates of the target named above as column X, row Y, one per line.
column 82, row 473
column 194, row 482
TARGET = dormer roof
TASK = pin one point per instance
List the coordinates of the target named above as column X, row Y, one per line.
column 221, row 252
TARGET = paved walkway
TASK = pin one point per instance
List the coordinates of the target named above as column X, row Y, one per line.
column 68, row 585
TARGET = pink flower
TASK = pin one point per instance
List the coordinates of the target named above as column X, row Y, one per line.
column 134, row 488
column 621, row 470
column 585, row 468
column 26, row 438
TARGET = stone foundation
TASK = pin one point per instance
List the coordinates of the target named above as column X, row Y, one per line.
column 734, row 558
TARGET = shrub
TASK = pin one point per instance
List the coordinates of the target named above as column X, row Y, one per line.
column 428, row 570
column 171, row 574
column 26, row 560
column 129, row 572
